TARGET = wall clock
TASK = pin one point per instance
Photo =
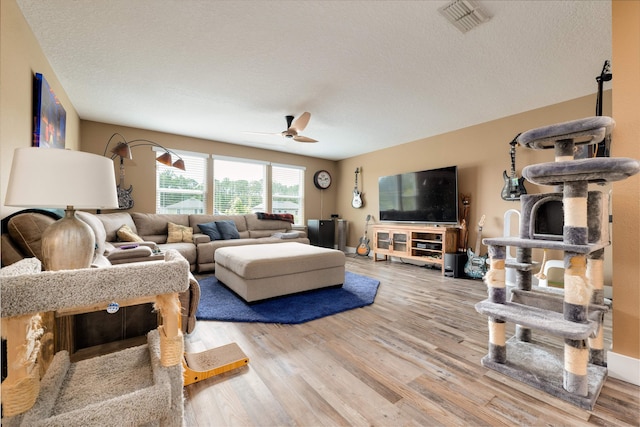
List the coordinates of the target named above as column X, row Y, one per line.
column 322, row 179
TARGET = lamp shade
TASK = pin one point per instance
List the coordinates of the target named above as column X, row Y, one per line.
column 56, row 178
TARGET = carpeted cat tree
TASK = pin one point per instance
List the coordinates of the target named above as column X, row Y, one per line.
column 137, row 386
column 576, row 372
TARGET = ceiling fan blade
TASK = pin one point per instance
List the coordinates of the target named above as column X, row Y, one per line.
column 263, row 133
column 301, row 122
column 300, row 138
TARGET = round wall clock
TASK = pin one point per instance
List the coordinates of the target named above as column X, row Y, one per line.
column 322, row 179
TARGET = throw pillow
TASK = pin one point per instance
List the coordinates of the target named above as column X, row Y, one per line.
column 211, row 230
column 228, row 229
column 126, row 234
column 179, row 233
column 26, row 231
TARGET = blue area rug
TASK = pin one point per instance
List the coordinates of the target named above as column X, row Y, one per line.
column 217, row 302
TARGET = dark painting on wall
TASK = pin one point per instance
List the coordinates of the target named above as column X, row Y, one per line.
column 49, row 117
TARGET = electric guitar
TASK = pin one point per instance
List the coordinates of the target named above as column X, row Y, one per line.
column 356, row 202
column 363, row 247
column 476, row 266
column 513, row 186
column 125, row 201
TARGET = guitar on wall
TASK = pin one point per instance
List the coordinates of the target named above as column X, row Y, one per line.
column 476, row 266
column 513, row 186
column 125, row 200
column 363, row 248
column 356, row 202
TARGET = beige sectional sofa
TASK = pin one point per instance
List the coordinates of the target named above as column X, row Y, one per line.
column 153, row 229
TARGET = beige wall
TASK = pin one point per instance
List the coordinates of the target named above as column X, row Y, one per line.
column 140, row 172
column 625, row 64
column 20, row 58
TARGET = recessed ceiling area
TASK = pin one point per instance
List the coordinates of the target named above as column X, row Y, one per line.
column 373, row 74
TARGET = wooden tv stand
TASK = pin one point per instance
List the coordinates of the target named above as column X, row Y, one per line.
column 416, row 242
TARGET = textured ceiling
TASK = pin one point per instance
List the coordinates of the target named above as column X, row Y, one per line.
column 372, row 73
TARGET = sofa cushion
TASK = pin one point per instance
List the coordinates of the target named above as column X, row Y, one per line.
column 187, row 250
column 112, row 223
column 211, row 230
column 26, row 231
column 149, row 225
column 228, row 229
column 179, row 233
column 98, row 230
column 126, row 234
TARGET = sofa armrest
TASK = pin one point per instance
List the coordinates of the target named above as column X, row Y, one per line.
column 189, row 301
column 199, row 238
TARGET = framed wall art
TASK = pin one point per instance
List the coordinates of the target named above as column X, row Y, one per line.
column 49, row 117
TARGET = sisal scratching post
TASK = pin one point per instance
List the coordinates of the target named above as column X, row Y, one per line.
column 577, row 293
column 22, row 385
column 171, row 340
column 495, row 280
column 595, row 277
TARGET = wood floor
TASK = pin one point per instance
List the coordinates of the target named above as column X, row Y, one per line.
column 410, row 359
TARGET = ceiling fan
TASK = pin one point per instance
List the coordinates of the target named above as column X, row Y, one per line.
column 294, row 127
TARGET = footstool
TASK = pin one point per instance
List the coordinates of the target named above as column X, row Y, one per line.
column 258, row 272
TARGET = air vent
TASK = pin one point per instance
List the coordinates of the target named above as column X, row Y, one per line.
column 464, row 14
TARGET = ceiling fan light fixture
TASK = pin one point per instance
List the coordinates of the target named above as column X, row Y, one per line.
column 464, row 14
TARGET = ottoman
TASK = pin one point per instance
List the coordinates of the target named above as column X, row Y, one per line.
column 258, row 272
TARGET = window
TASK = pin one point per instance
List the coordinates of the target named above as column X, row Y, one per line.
column 287, row 184
column 242, row 186
column 238, row 186
column 182, row 192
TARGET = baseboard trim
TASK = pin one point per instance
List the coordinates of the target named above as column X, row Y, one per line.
column 623, row 367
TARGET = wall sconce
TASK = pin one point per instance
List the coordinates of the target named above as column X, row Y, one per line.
column 122, row 149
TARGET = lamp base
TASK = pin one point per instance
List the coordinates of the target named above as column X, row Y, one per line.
column 68, row 243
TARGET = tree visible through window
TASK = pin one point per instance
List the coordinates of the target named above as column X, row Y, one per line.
column 239, row 188
column 287, row 185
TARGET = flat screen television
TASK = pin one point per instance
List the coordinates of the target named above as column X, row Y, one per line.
column 429, row 196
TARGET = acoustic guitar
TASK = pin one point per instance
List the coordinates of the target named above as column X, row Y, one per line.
column 356, row 202
column 363, row 248
column 513, row 186
column 476, row 266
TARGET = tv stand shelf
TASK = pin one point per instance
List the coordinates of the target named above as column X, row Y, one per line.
column 415, row 242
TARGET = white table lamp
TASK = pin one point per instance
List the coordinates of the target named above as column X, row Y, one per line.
column 70, row 180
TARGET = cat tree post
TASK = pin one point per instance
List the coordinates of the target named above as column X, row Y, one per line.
column 577, row 293
column 523, row 282
column 595, row 277
column 497, row 291
column 21, row 387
